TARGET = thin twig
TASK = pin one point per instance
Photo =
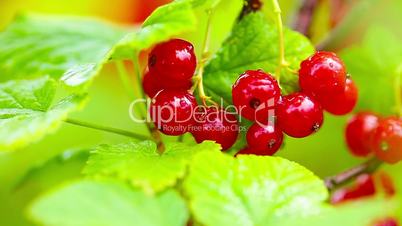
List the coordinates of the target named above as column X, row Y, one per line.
column 107, row 129
column 304, row 17
column 347, row 176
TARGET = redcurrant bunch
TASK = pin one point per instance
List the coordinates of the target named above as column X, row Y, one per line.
column 174, row 110
column 323, row 75
column 367, row 133
column 324, row 86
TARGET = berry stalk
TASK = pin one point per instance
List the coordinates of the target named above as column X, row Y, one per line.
column 282, row 63
column 204, row 57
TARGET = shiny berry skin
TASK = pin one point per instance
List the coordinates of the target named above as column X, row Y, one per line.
column 321, row 74
column 387, row 140
column 254, row 94
column 340, row 103
column 217, row 125
column 173, row 60
column 172, row 111
column 364, row 187
column 299, row 115
column 152, row 84
column 359, row 131
column 264, row 139
column 387, row 222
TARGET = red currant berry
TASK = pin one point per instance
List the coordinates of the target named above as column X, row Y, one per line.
column 359, row 131
column 299, row 115
column 217, row 125
column 172, row 111
column 152, row 84
column 387, row 183
column 387, row 140
column 264, row 139
column 174, row 60
column 322, row 73
column 387, row 222
column 340, row 103
column 364, row 187
column 254, row 94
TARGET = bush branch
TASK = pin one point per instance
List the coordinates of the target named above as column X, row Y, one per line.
column 347, row 176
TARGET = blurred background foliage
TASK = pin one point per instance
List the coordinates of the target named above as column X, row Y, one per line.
column 337, row 24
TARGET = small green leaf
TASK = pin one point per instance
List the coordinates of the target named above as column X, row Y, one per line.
column 89, row 203
column 142, row 165
column 26, row 113
column 253, row 44
column 70, row 48
column 376, row 66
column 165, row 22
column 251, row 190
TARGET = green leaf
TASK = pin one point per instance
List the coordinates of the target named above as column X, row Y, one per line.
column 63, row 167
column 376, row 67
column 251, row 190
column 73, row 49
column 142, row 165
column 92, row 203
column 165, row 22
column 26, row 113
column 253, row 44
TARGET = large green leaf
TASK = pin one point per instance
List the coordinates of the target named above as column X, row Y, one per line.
column 70, row 48
column 26, row 113
column 89, row 203
column 253, row 44
column 142, row 164
column 251, row 190
column 376, row 67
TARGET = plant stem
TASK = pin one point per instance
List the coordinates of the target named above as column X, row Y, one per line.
column 204, row 57
column 107, row 129
column 342, row 178
column 282, row 63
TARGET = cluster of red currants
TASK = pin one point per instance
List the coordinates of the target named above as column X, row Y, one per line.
column 174, row 109
column 365, row 186
column 256, row 96
column 367, row 133
column 324, row 86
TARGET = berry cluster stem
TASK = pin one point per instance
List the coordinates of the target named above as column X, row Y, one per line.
column 204, row 57
column 282, row 63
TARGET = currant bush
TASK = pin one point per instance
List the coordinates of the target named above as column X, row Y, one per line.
column 387, row 140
